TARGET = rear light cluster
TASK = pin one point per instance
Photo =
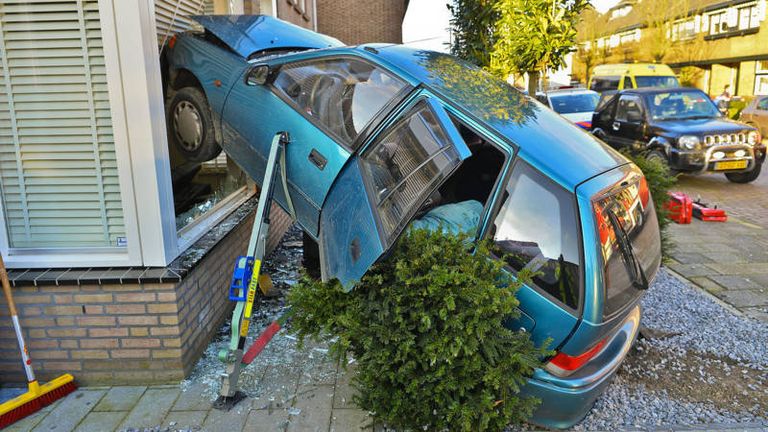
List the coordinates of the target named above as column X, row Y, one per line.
column 563, row 365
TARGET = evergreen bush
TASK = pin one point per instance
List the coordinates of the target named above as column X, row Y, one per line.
column 425, row 327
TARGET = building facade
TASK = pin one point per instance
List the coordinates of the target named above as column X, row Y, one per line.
column 710, row 43
column 120, row 251
column 354, row 22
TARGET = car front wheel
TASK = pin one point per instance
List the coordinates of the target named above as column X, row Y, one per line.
column 191, row 125
column 661, row 158
column 745, row 177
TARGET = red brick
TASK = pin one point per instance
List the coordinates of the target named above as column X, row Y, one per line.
column 94, row 321
column 130, row 353
column 126, row 309
column 108, row 332
column 99, row 343
column 138, row 320
column 140, row 343
column 93, row 298
column 138, row 297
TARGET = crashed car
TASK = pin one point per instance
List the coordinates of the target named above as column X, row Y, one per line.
column 681, row 128
column 384, row 136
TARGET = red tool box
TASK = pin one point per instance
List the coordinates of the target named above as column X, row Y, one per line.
column 679, row 207
column 708, row 214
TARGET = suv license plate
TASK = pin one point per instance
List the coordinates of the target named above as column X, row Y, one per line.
column 740, row 164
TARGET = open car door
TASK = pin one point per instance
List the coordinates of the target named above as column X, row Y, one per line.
column 380, row 189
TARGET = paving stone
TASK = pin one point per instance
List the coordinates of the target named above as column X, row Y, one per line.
column 760, row 313
column 735, row 282
column 691, row 258
column 725, row 257
column 70, row 411
column 343, row 420
column 691, row 270
column 120, row 398
column 151, row 409
column 312, row 409
column 185, row 419
column 736, row 269
column 27, row 423
column 745, row 298
column 267, row 420
column 230, row 421
column 707, row 283
column 100, row 421
column 193, row 399
column 344, row 392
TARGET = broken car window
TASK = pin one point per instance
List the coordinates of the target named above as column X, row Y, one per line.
column 343, row 95
column 537, row 229
column 405, row 164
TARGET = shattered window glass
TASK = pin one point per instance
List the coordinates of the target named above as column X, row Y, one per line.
column 406, row 163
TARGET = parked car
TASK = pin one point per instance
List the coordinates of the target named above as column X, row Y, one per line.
column 577, row 105
column 756, row 114
column 683, row 128
column 631, row 75
column 383, row 136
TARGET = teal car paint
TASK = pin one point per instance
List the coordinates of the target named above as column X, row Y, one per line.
column 385, row 135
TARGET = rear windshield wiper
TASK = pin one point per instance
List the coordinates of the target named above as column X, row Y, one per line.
column 631, row 263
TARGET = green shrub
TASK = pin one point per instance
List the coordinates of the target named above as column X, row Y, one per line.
column 660, row 181
column 425, row 328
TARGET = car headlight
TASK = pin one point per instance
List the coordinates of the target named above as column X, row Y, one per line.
column 688, row 142
column 753, row 137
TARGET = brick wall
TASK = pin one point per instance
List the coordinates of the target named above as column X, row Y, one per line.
column 297, row 12
column 356, row 22
column 127, row 333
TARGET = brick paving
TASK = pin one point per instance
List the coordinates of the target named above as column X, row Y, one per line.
column 728, row 260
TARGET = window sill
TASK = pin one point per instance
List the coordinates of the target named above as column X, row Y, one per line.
column 732, row 34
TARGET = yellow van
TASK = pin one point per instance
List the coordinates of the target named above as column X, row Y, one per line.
column 631, row 75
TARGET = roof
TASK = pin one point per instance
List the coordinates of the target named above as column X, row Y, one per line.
column 566, row 153
column 559, row 92
column 655, row 90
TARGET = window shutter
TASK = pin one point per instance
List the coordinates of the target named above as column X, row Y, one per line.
column 58, row 171
column 172, row 16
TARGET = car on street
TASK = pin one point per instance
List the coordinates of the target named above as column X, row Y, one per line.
column 577, row 104
column 625, row 76
column 682, row 128
column 756, row 114
column 384, row 136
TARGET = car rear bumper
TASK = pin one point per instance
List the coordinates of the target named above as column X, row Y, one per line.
column 565, row 401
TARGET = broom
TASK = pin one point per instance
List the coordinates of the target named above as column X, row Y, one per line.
column 38, row 396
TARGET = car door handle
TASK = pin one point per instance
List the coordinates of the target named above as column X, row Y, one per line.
column 318, row 159
column 616, row 126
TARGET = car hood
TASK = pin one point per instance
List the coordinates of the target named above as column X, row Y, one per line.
column 248, row 34
column 701, row 126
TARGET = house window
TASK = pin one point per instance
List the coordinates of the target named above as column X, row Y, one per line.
column 735, row 19
column 58, row 170
column 684, row 30
column 761, row 78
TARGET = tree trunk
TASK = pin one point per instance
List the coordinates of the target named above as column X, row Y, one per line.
column 533, row 82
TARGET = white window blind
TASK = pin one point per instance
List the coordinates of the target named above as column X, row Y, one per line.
column 172, row 16
column 58, row 170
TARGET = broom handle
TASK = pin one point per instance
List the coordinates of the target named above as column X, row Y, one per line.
column 15, row 318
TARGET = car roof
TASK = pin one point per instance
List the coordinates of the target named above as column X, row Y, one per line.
column 656, row 90
column 633, row 69
column 560, row 92
column 563, row 151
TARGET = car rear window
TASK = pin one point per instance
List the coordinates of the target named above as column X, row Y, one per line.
column 656, row 81
column 634, row 219
column 574, row 103
column 537, row 229
column 604, row 83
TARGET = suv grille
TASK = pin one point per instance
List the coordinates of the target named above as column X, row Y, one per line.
column 725, row 139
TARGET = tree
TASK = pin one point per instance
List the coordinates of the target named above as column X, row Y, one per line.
column 533, row 36
column 472, row 30
column 659, row 15
column 589, row 32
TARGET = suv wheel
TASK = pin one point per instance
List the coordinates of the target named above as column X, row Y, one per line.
column 659, row 156
column 191, row 125
column 745, row 177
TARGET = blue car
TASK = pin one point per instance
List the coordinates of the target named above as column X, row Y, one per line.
column 384, row 136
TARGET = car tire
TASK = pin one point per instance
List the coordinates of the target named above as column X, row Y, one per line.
column 662, row 158
column 745, row 177
column 190, row 125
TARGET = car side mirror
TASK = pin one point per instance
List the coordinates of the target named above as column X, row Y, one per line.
column 258, row 75
column 634, row 117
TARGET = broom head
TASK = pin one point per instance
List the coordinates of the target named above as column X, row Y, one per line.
column 38, row 397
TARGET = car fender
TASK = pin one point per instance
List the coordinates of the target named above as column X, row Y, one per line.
column 599, row 132
column 660, row 143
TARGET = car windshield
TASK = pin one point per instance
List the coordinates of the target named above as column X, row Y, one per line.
column 574, row 103
column 681, row 105
column 656, row 81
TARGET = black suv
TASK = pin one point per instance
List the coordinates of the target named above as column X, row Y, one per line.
column 683, row 128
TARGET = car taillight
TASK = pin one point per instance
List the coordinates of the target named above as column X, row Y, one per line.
column 563, row 364
column 645, row 194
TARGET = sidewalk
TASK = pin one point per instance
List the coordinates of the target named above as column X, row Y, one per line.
column 729, row 260
column 310, row 405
